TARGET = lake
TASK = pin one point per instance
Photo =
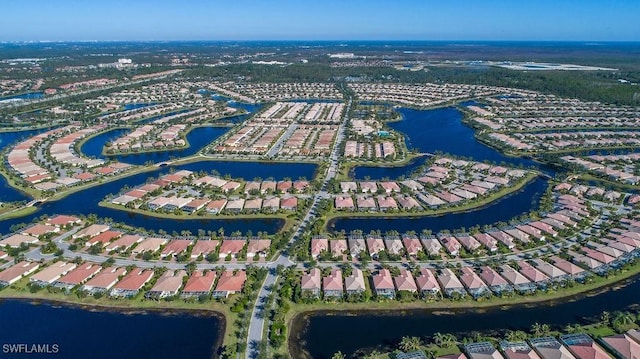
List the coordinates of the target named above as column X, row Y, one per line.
column 81, row 333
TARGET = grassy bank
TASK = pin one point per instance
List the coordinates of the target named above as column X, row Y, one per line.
column 17, row 212
column 347, row 166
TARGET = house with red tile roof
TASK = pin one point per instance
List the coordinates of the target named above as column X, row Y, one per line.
column 451, row 245
column 231, row 247
column 78, row 276
column 338, row 247
column 318, row 245
column 494, row 280
column 204, row 247
column 51, row 273
column 375, row 245
column 175, row 247
column 344, row 203
column 289, row 203
column 411, row 244
column 103, row 239
column 258, row 247
column 405, row 281
column 475, row 286
column 622, row 345
column 132, row 283
column 332, row 284
column 230, row 282
column 216, row 206
column 583, row 347
column 199, row 283
column 518, row 350
column 61, row 221
column 151, row 245
column 17, row 272
column 91, row 231
column 450, row 283
column 104, row 280
column 427, row 283
column 16, row 240
column 383, row 284
column 310, row 282
column 167, row 285
column 354, row 284
column 38, row 230
column 124, row 243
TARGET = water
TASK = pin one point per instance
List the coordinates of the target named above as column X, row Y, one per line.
column 81, row 333
column 24, row 96
column 322, row 335
column 501, row 210
column 439, row 130
column 90, row 198
column 134, row 106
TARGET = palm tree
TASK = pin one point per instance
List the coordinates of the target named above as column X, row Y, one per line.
column 605, row 318
column 624, row 318
column 408, row 344
column 338, row 355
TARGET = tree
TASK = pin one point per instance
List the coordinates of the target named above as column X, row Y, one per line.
column 338, row 355
column 408, row 344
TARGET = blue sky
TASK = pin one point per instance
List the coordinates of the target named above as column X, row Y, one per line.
column 60, row 20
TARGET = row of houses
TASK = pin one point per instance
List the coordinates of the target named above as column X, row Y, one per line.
column 121, row 283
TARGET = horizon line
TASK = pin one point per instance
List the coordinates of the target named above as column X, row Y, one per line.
column 314, row 40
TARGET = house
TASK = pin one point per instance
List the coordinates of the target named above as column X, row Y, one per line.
column 216, row 206
column 38, row 230
column 390, row 187
column 348, row 187
column 149, row 245
column 195, row 205
column 450, row 284
column 62, row 221
column 357, row 245
column 251, row 205
column 104, row 280
column 78, row 276
column 332, row 284
column 338, row 247
column 52, row 273
column 167, row 285
column 394, row 245
column 496, row 283
column 469, row 243
column 272, row 204
column 489, row 242
column 354, row 284
column 230, row 186
column 124, row 243
column 132, row 283
column 258, row 247
column 383, row 284
column 252, row 187
column 623, row 345
column 583, row 347
column 550, row 348
column 475, row 286
column 366, row 203
column 103, row 239
column 16, row 240
column 310, row 283
column 552, row 272
column 175, row 247
column 344, row 202
column 289, row 203
column 230, row 282
column 431, row 244
column 517, row 280
column 405, row 281
column 504, row 238
column 571, row 269
column 231, row 247
column 16, row 272
column 199, row 283
column 518, row 350
column 375, row 246
column 318, row 245
column 411, row 244
column 533, row 274
column 203, row 247
column 427, row 283
column 91, row 231
column 482, row 350
column 284, row 186
column 267, row 186
column 451, row 245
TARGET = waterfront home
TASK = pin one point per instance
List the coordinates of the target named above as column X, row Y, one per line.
column 355, row 284
column 51, row 273
column 390, row 187
column 300, row 186
column 103, row 239
column 393, row 244
column 518, row 350
column 167, row 285
column 430, row 200
column 230, row 186
column 405, row 281
column 289, row 203
column 448, row 197
column 284, row 186
column 475, row 286
column 230, row 282
column 63, row 221
column 469, row 243
column 203, row 247
column 175, row 247
column 427, row 283
column 550, row 348
column 571, row 269
column 453, row 356
column 16, row 240
column 195, row 205
column 622, row 345
column 272, row 204
column 149, row 245
column 78, row 276
column 366, row 203
column 368, row 187
column 124, row 243
column 496, row 283
column 517, row 280
column 431, row 244
column 198, row 284
column 17, row 272
column 216, row 206
column 552, row 272
column 416, row 354
column 482, row 350
column 489, row 242
column 407, row 202
column 411, row 244
column 252, row 188
column 375, row 245
column 344, row 202
column 319, row 244
column 332, row 284
column 412, row 185
column 518, row 235
column 450, row 284
column 544, row 227
column 451, row 245
column 583, row 347
column 132, row 283
column 267, row 187
column 91, row 231
column 38, row 230
column 158, row 203
column 251, row 205
column 231, row 247
column 310, row 283
column 259, row 247
column 383, row 284
column 235, row 205
column 504, row 238
column 123, row 200
column 104, row 280
column 356, row 244
column 346, row 187
column 533, row 274
column 531, row 231
column 338, row 247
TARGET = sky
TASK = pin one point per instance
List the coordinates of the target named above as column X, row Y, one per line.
column 510, row 20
